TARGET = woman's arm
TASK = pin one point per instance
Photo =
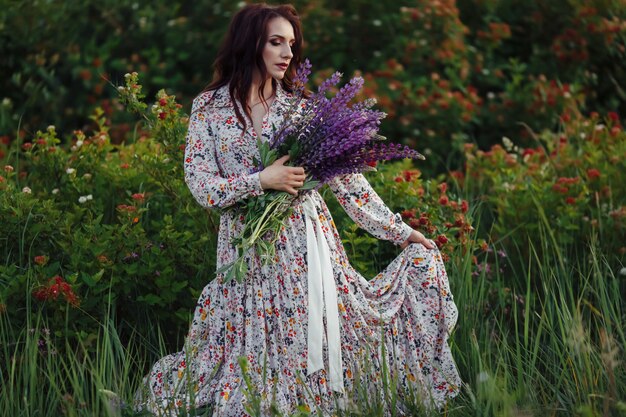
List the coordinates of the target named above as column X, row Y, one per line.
column 367, row 209
column 202, row 173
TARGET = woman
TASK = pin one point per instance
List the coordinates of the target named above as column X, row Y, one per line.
column 310, row 333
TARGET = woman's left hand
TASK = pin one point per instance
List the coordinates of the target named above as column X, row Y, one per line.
column 417, row 237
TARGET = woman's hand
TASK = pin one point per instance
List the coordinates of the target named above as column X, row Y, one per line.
column 417, row 237
column 282, row 178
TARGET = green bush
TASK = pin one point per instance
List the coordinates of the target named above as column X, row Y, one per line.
column 90, row 226
column 572, row 181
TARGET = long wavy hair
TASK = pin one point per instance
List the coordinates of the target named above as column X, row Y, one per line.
column 241, row 53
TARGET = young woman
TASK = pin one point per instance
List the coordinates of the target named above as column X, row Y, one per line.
column 309, row 325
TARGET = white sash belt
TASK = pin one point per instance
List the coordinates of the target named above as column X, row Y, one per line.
column 322, row 293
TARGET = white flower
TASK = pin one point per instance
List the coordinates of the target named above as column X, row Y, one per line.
column 485, row 71
column 491, row 95
column 82, row 199
column 583, row 135
column 567, row 94
column 51, row 128
column 377, row 22
column 6, row 102
column 622, row 272
column 87, row 176
column 508, row 143
column 127, row 75
column 89, row 197
column 121, row 89
column 70, row 170
column 55, row 191
column 27, row 190
column 79, row 143
column 600, row 127
column 423, row 42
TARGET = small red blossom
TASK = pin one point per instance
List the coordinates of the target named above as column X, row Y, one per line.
column 443, row 200
column 593, row 173
column 560, row 189
column 124, row 165
column 398, row 179
column 443, row 187
column 613, row 116
column 56, row 287
column 163, row 102
column 124, row 207
column 162, row 115
column 5, row 140
column 441, row 240
column 140, row 197
column 570, row 200
column 464, row 206
column 372, row 164
column 41, row 259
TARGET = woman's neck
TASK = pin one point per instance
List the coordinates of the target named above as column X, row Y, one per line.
column 268, row 92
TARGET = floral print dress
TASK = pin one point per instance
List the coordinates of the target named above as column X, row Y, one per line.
column 397, row 322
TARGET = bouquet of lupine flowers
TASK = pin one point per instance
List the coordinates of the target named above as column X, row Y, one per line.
column 328, row 138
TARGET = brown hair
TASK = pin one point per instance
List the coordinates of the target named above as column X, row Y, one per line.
column 241, row 52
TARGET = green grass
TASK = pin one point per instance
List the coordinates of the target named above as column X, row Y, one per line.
column 555, row 351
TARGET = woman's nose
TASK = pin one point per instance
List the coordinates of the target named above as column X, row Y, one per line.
column 287, row 53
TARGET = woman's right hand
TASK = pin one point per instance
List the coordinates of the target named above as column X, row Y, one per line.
column 282, row 178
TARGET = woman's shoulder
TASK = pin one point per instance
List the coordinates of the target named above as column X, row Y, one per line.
column 219, row 97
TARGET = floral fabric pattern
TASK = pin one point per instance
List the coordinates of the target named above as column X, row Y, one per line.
column 408, row 306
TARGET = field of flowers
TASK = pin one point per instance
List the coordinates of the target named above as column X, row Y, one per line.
column 518, row 106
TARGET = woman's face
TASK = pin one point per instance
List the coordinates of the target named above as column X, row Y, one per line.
column 277, row 51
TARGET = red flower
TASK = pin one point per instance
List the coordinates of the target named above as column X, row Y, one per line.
column 464, row 206
column 613, row 116
column 593, row 173
column 162, row 115
column 140, row 197
column 443, row 200
column 163, row 102
column 56, row 286
column 372, row 164
column 398, row 179
column 441, row 240
column 570, row 200
column 443, row 187
column 41, row 259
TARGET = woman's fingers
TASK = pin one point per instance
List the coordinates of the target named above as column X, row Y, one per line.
column 281, row 160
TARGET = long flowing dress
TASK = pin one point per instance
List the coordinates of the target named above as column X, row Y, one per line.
column 396, row 323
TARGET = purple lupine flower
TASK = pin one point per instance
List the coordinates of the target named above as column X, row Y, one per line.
column 332, row 137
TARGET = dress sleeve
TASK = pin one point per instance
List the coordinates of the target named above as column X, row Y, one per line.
column 202, row 172
column 367, row 209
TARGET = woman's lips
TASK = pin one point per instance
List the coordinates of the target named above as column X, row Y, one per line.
column 282, row 66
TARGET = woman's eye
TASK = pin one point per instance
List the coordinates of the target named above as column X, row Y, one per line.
column 275, row 43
